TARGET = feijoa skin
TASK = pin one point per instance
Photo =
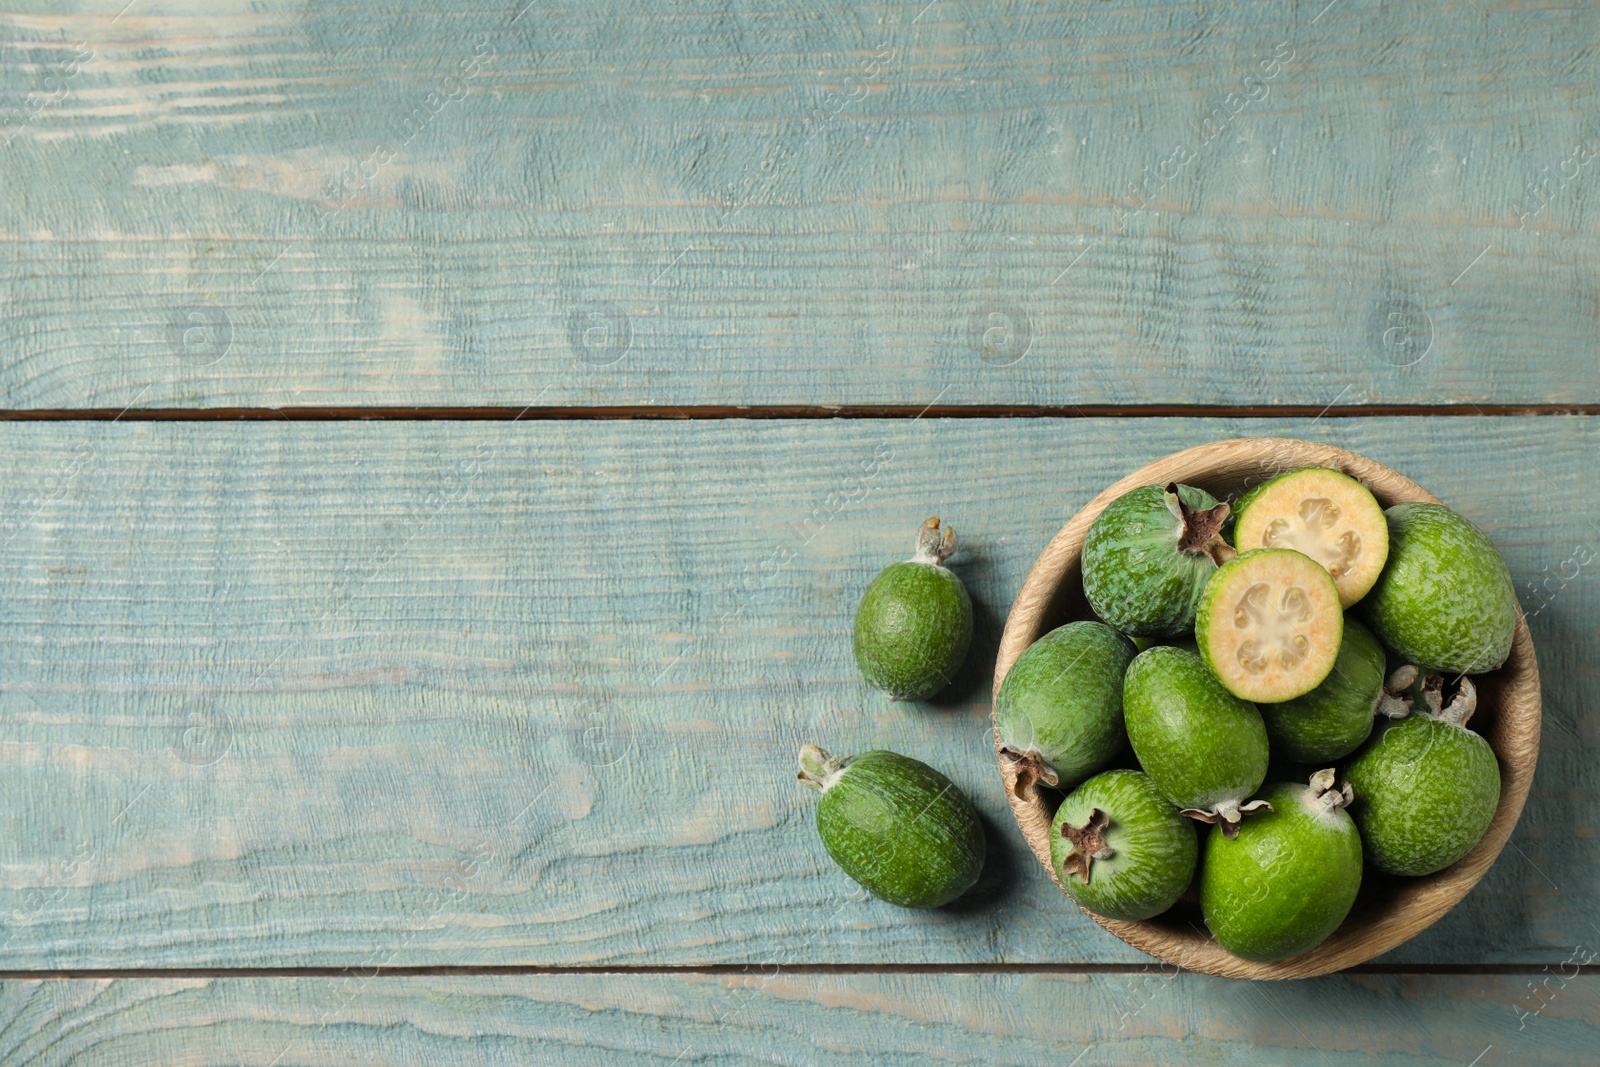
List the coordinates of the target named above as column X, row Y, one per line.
column 1290, row 876
column 914, row 623
column 1204, row 749
column 899, row 828
column 1120, row 849
column 1323, row 513
column 1445, row 598
column 1426, row 790
column 1332, row 720
column 1147, row 557
column 1060, row 707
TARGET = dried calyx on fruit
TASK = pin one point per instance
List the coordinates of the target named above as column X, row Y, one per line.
column 1409, row 688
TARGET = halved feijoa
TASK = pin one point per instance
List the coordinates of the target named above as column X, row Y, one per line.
column 1270, row 624
column 1323, row 513
column 1119, row 849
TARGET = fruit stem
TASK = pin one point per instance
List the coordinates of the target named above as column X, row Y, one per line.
column 1323, row 792
column 818, row 770
column 1202, row 530
column 1088, row 844
column 931, row 547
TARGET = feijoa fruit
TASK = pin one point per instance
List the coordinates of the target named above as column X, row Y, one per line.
column 1290, row 876
column 1204, row 749
column 1324, row 514
column 1445, row 598
column 1147, row 557
column 1427, row 786
column 1120, row 849
column 1270, row 624
column 914, row 622
column 1333, row 719
column 901, row 829
column 1059, row 710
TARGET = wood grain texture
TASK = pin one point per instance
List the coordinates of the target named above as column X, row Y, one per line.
column 385, row 694
column 258, row 204
column 1143, row 1019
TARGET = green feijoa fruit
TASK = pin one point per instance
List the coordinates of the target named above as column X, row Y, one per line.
column 1203, row 748
column 1270, row 624
column 1445, row 598
column 1059, row 710
column 1119, row 849
column 898, row 827
column 1333, row 719
column 1426, row 789
column 1148, row 555
column 1289, row 878
column 1323, row 513
column 914, row 622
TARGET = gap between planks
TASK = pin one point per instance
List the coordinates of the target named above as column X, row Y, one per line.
column 733, row 969
column 713, row 412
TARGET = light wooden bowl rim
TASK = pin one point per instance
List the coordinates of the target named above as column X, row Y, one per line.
column 1509, row 714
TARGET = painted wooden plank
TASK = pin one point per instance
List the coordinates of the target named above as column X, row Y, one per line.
column 1141, row 1018
column 380, row 693
column 623, row 202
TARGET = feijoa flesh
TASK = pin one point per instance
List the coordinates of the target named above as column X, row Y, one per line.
column 914, row 622
column 1270, row 624
column 1426, row 787
column 1059, row 710
column 901, row 829
column 1332, row 720
column 1120, row 849
column 1290, row 876
column 1147, row 557
column 1445, row 598
column 1324, row 514
column 1204, row 749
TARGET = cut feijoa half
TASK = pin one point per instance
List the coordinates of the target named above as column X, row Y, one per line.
column 1270, row 624
column 1324, row 514
column 1119, row 849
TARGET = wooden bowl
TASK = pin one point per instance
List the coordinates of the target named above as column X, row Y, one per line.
column 1507, row 715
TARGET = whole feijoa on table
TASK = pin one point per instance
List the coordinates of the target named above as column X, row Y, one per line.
column 1204, row 749
column 1269, row 624
column 1445, row 599
column 1323, row 513
column 898, row 827
column 1332, row 720
column 1290, row 876
column 1059, row 710
column 1119, row 849
column 914, row 622
column 1147, row 556
column 1427, row 786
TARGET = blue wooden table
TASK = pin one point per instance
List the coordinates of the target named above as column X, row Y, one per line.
column 443, row 445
